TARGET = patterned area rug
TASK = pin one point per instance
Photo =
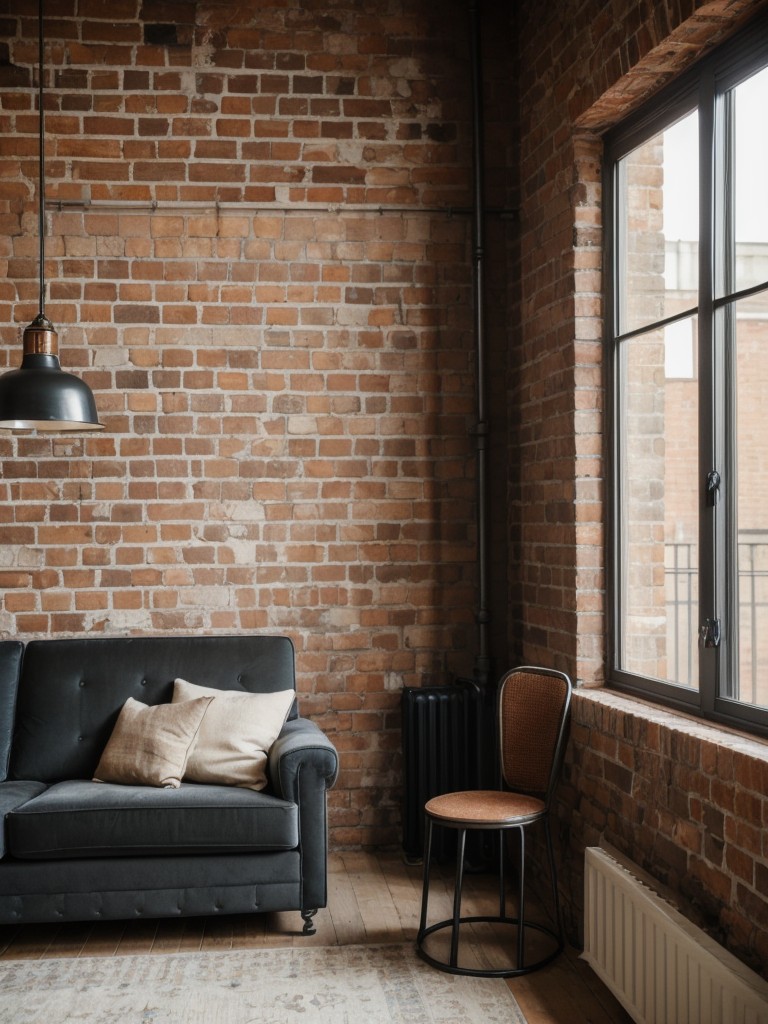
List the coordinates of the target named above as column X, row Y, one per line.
column 320, row 985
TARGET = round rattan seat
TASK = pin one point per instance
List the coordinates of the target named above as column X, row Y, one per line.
column 484, row 808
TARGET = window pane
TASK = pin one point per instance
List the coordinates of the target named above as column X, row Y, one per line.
column 751, row 161
column 752, row 496
column 659, row 527
column 659, row 241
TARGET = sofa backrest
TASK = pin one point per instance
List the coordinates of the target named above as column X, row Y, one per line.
column 71, row 691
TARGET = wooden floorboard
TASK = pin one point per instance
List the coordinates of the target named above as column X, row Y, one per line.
column 371, row 899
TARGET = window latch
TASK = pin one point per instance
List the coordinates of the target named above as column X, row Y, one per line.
column 709, row 633
column 713, row 486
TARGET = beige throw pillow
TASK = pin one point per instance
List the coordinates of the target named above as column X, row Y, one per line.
column 149, row 746
column 236, row 734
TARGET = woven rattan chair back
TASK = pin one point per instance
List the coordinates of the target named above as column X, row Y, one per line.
column 532, row 711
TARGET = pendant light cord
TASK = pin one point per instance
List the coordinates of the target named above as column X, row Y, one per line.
column 41, row 157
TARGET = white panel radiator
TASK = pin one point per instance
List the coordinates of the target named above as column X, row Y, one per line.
column 659, row 965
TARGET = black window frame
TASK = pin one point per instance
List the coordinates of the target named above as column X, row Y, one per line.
column 703, row 87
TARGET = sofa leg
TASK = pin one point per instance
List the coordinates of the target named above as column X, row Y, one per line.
column 309, row 928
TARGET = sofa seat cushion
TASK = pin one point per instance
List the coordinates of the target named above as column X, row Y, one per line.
column 91, row 819
column 13, row 795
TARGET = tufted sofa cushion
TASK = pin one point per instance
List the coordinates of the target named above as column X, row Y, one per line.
column 91, row 819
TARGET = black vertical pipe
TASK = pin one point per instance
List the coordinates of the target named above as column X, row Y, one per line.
column 482, row 658
column 41, row 156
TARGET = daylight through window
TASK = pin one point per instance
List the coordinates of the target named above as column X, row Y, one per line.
column 688, row 256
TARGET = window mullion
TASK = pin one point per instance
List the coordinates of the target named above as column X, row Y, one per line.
column 711, row 454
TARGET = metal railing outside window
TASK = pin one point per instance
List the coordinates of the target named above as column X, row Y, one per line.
column 681, row 576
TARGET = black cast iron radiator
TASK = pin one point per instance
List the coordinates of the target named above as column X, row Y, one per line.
column 441, row 754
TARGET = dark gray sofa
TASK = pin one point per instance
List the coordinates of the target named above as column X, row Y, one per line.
column 73, row 849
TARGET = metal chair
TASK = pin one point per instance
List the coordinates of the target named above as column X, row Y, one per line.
column 533, row 711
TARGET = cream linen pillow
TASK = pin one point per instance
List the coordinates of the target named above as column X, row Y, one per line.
column 149, row 745
column 236, row 734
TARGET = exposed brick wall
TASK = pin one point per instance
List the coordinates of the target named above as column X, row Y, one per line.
column 259, row 257
column 687, row 806
column 685, row 802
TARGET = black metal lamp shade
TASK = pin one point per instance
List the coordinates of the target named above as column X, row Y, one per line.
column 40, row 395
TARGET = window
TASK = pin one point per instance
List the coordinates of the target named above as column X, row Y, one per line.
column 687, row 247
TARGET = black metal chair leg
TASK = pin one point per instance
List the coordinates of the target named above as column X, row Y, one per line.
column 425, row 884
column 502, row 881
column 521, row 906
column 460, row 844
column 553, row 875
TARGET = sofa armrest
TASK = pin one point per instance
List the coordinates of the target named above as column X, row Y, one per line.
column 301, row 746
column 13, row 795
column 303, row 765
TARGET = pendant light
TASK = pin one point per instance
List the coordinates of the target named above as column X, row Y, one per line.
column 40, row 395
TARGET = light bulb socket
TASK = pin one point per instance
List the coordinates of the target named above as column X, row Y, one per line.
column 40, row 338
